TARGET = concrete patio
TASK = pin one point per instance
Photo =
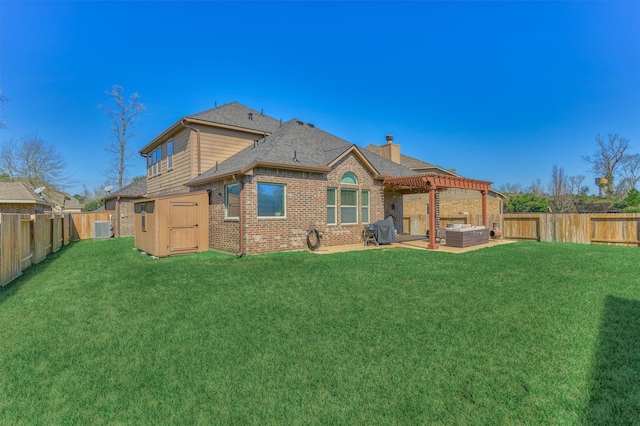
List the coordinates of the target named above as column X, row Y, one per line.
column 409, row 242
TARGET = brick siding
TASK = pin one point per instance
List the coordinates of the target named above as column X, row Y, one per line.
column 306, row 207
column 127, row 219
column 23, row 208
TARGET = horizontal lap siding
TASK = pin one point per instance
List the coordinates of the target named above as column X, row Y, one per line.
column 172, row 181
column 216, row 145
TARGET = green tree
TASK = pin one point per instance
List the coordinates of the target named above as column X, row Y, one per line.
column 633, row 198
column 525, row 203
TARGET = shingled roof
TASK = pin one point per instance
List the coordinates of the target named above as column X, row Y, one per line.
column 298, row 145
column 232, row 114
column 136, row 189
column 18, row 193
column 238, row 115
column 410, row 162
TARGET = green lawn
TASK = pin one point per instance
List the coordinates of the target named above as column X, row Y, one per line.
column 526, row 333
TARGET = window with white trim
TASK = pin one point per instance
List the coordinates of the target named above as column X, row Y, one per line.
column 271, row 200
column 331, row 206
column 365, row 206
column 232, row 201
column 348, row 206
column 170, row 155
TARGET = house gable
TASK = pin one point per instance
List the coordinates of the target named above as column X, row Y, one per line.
column 199, row 142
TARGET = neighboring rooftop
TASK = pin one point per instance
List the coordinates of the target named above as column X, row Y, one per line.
column 136, row 189
column 407, row 161
column 19, row 193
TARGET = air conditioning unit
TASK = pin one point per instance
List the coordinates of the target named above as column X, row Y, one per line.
column 102, row 229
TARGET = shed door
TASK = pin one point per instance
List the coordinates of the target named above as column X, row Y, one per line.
column 183, row 227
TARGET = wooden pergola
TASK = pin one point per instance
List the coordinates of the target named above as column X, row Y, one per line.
column 431, row 182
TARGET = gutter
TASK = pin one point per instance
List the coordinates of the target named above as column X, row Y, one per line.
column 199, row 162
column 245, row 171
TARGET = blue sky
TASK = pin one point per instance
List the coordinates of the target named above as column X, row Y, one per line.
column 501, row 91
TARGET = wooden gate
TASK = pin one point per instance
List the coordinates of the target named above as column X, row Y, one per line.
column 183, row 227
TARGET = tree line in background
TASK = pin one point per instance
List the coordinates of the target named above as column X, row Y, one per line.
column 36, row 160
column 618, row 174
column 617, row 171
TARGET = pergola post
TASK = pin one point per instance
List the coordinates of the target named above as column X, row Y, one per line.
column 432, row 218
column 432, row 182
column 484, row 208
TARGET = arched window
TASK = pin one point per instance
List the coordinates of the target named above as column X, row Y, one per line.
column 349, row 178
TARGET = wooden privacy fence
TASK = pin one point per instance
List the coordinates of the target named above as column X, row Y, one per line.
column 82, row 223
column 28, row 239
column 581, row 228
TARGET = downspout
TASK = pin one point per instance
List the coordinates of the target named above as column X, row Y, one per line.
column 199, row 163
column 241, row 220
column 118, row 216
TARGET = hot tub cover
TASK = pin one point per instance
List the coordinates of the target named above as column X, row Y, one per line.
column 386, row 231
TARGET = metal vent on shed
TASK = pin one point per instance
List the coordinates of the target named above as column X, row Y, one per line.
column 101, row 229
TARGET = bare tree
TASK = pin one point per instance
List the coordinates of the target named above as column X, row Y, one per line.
column 575, row 182
column 560, row 191
column 630, row 172
column 510, row 188
column 3, row 99
column 605, row 161
column 537, row 188
column 9, row 159
column 123, row 117
column 32, row 158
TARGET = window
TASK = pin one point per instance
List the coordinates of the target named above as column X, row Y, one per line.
column 348, row 206
column 271, row 200
column 365, row 206
column 143, row 209
column 158, row 160
column 349, row 179
column 232, row 201
column 331, row 206
column 153, row 162
column 169, row 155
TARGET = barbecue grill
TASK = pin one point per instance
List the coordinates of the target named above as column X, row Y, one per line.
column 370, row 234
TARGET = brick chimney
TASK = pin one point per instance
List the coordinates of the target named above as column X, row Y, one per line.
column 390, row 151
